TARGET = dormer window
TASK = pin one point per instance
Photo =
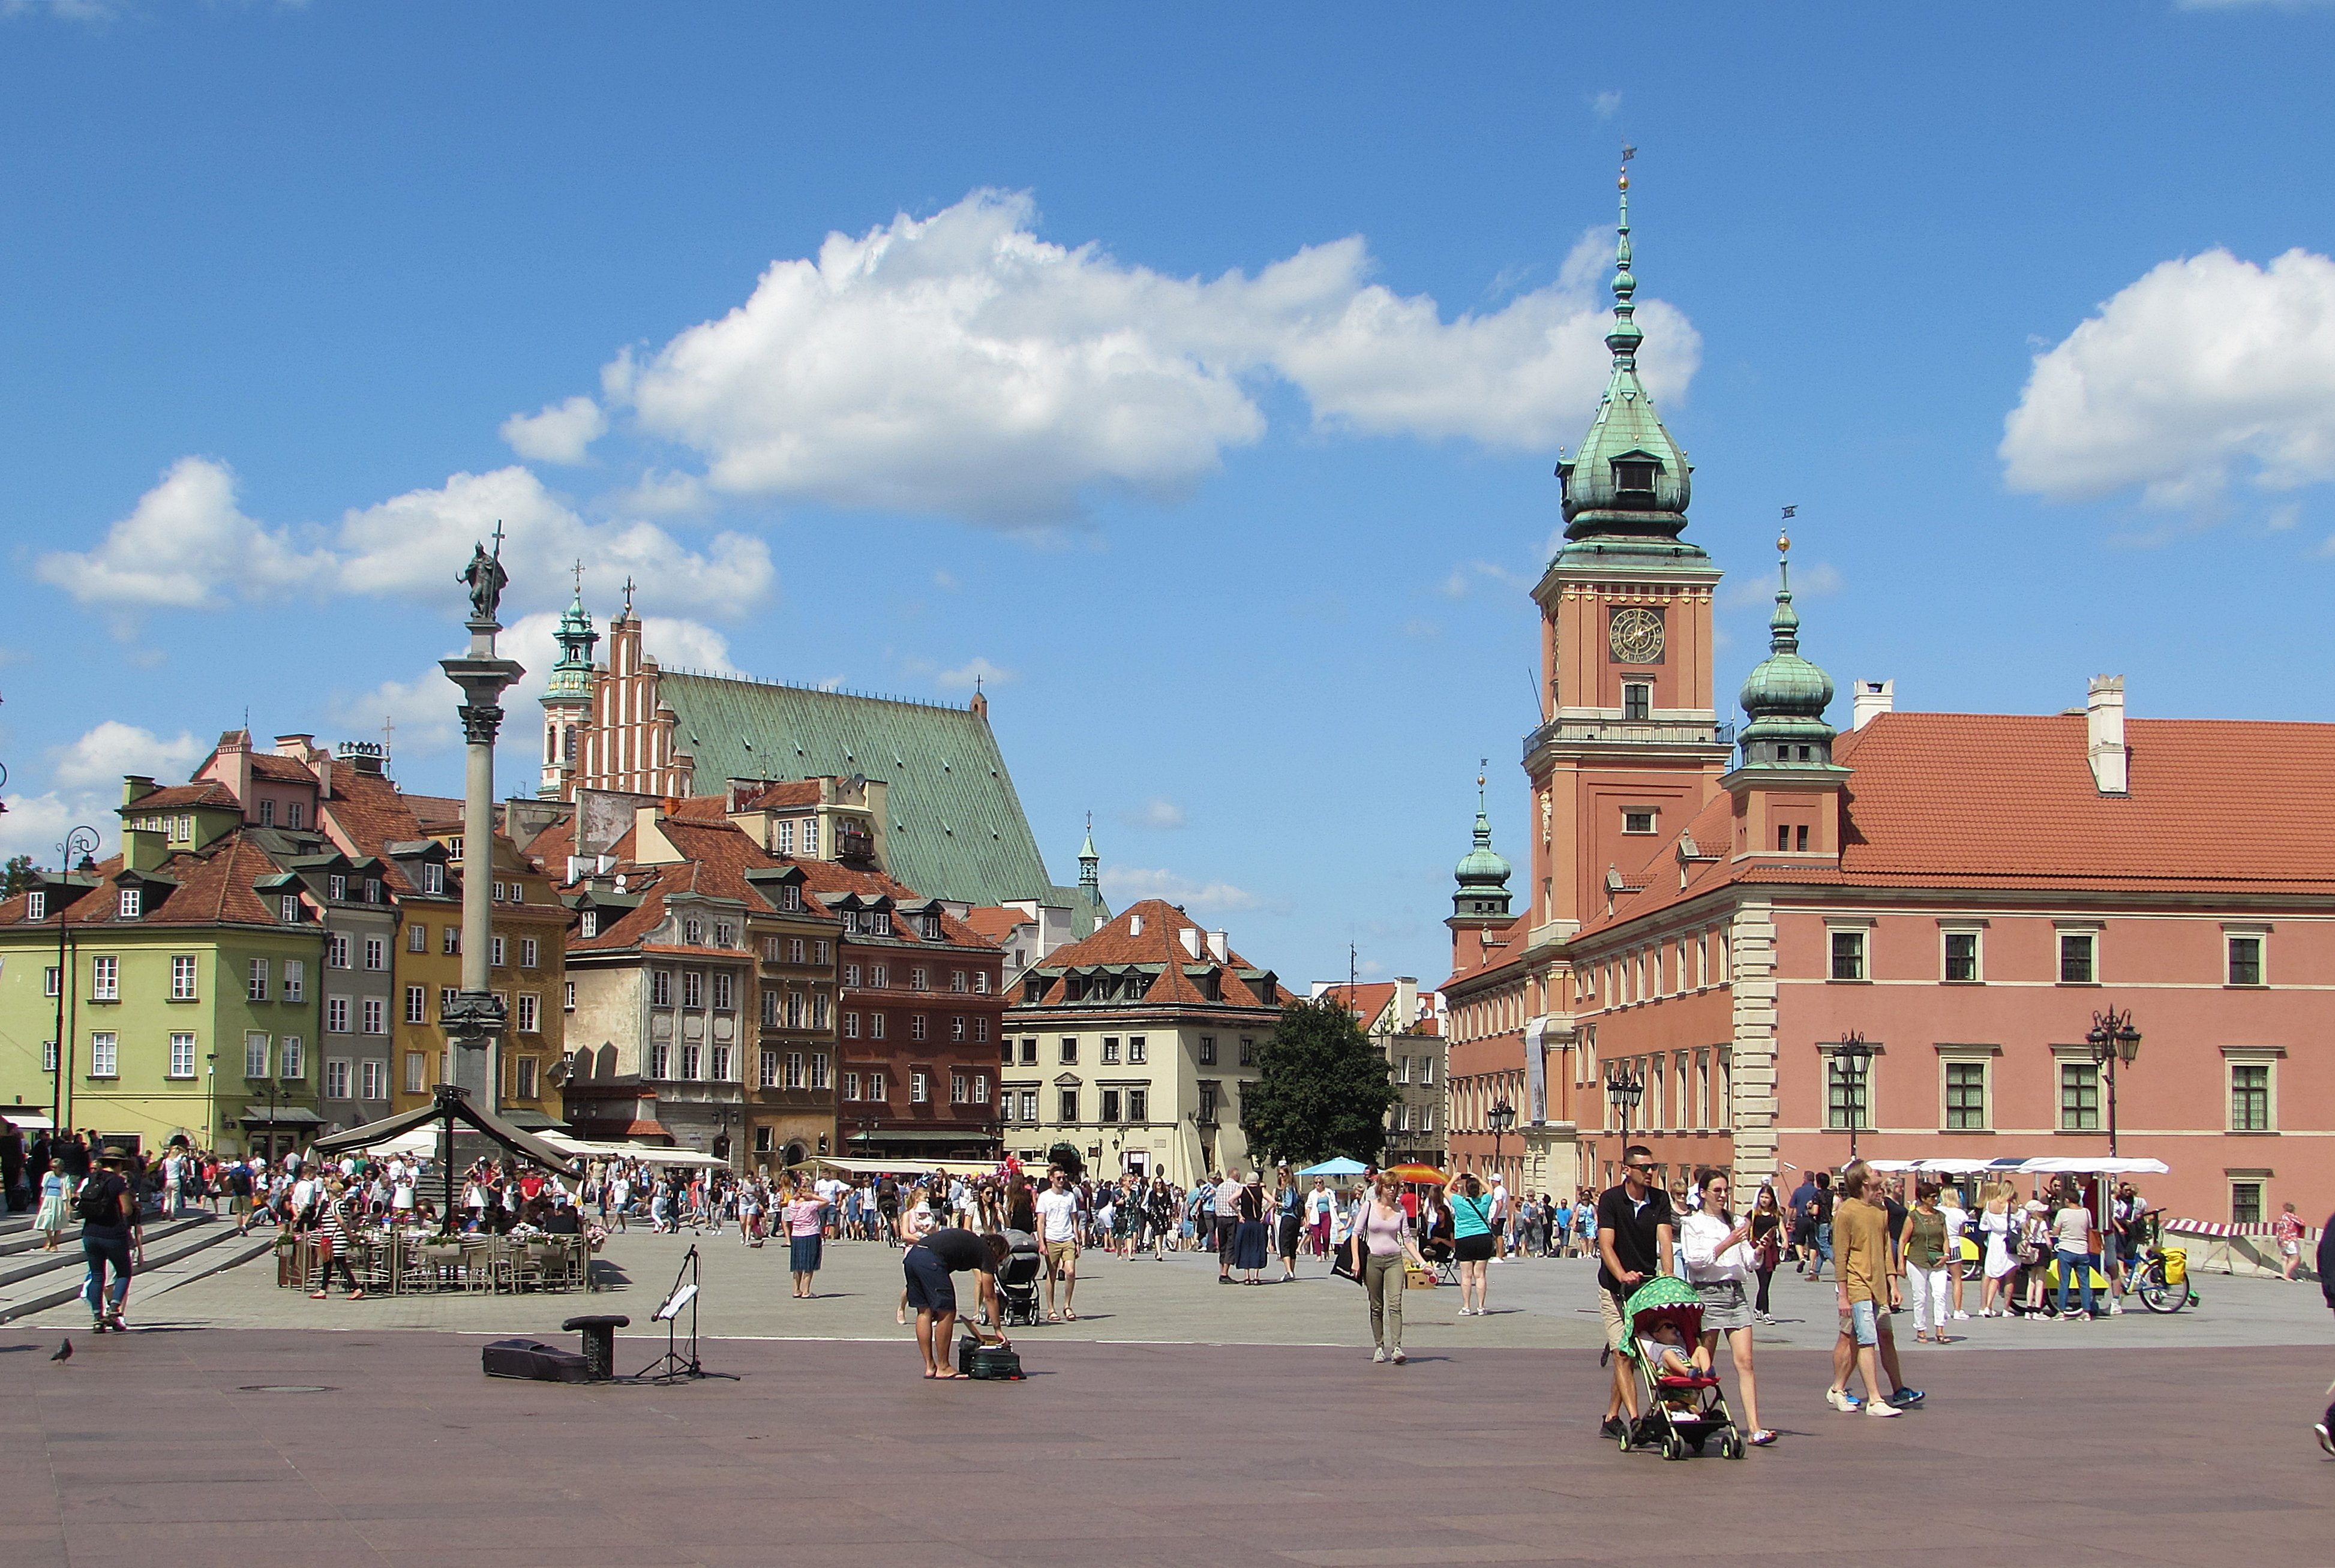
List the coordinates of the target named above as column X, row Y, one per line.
column 1635, row 475
column 288, row 908
column 932, row 928
column 588, row 922
column 36, row 905
column 133, row 902
column 336, row 888
column 791, row 897
column 880, row 922
column 433, row 877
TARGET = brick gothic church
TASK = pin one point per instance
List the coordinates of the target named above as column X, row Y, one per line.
column 1708, row 915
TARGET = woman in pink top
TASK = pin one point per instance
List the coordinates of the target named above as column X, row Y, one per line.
column 1383, row 1243
column 802, row 1218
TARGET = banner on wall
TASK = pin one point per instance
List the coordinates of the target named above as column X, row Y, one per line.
column 1535, row 1071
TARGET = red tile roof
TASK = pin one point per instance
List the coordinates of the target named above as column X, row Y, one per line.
column 283, row 769
column 206, row 793
column 1115, row 942
column 997, row 923
column 213, row 888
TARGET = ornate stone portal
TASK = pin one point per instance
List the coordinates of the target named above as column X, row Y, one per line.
column 475, row 1023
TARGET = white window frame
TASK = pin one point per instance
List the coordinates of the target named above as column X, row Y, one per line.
column 104, row 1054
column 2061, row 930
column 417, row 1004
column 184, row 976
column 256, row 1054
column 529, row 949
column 181, row 1066
column 376, row 1015
column 1976, row 930
column 337, row 1078
column 336, row 1015
column 105, row 977
column 2237, row 1056
column 372, row 1080
column 295, row 979
column 292, row 1053
column 530, row 1005
column 1837, row 926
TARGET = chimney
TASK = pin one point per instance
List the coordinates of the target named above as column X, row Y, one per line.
column 135, row 787
column 142, row 850
column 1872, row 699
column 1190, row 936
column 1406, row 1000
column 2103, row 726
column 296, row 747
column 649, row 846
column 1219, row 948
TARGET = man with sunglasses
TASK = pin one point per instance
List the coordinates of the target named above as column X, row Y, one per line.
column 1635, row 1229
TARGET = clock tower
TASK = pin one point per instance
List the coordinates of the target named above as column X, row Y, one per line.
column 1629, row 745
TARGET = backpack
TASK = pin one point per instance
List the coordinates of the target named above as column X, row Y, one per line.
column 94, row 1204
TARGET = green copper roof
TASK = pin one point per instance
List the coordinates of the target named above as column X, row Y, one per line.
column 957, row 829
column 572, row 675
column 1629, row 478
column 1482, row 867
column 1785, row 696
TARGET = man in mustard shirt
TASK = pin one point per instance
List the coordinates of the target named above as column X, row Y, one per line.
column 1860, row 1244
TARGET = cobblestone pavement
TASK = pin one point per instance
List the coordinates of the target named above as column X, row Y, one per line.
column 261, row 1447
column 1535, row 1304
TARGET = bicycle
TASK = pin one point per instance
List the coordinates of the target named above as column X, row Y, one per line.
column 2161, row 1280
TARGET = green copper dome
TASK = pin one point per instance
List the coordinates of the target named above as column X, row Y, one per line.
column 572, row 675
column 1483, row 871
column 1785, row 696
column 1629, row 480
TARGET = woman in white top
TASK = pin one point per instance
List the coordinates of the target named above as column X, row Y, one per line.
column 1957, row 1218
column 1715, row 1252
column 1999, row 1225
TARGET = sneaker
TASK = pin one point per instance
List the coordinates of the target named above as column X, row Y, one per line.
column 1397, row 1358
column 2116, row 1309
column 1881, row 1407
column 1961, row 1317
column 1379, row 1354
column 118, row 1323
column 1841, row 1400
column 1612, row 1428
column 1906, row 1398
column 2326, row 1439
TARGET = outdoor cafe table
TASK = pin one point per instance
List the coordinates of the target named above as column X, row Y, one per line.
column 389, row 1259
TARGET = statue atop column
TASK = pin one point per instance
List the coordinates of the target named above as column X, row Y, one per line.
column 486, row 578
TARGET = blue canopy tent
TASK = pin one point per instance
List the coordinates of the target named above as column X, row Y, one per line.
column 1340, row 1166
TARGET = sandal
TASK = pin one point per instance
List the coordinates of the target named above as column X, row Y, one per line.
column 1068, row 1316
column 1761, row 1437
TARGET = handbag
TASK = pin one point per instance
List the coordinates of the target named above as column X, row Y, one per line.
column 1345, row 1260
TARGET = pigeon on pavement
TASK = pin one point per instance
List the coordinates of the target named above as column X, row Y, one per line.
column 64, row 1352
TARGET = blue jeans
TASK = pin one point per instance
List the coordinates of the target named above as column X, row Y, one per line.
column 2080, row 1264
column 1823, row 1246
column 101, row 1251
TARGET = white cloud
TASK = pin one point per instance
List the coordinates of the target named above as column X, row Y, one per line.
column 184, row 546
column 2205, row 365
column 1127, row 885
column 561, row 433
column 1464, row 576
column 1810, row 580
column 959, row 364
column 113, row 749
column 64, row 10
column 661, row 493
column 1606, row 105
column 978, row 671
column 1157, row 815
column 35, row 825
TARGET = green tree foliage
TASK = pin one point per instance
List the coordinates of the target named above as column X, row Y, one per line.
column 16, row 875
column 1323, row 1088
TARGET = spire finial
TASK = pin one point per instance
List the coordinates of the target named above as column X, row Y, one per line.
column 628, row 599
column 580, row 580
column 1624, row 338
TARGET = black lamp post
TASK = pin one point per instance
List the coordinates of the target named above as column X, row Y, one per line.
column 1853, row 1059
column 1502, row 1116
column 82, row 841
column 2113, row 1038
column 1622, row 1090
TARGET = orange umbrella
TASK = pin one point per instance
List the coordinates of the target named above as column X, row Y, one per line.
column 1425, row 1173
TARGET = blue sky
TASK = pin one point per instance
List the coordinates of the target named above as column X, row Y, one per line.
column 1193, row 378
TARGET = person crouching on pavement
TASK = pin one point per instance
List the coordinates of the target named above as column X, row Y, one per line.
column 928, row 1266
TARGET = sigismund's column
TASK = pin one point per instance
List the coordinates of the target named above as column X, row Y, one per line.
column 475, row 1023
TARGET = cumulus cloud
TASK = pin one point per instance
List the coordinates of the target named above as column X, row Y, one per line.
column 1127, row 885
column 973, row 671
column 35, row 825
column 187, row 545
column 959, row 364
column 1157, row 815
column 2204, row 366
column 558, row 433
column 113, row 749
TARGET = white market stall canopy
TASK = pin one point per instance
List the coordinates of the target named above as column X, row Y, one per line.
column 649, row 1153
column 955, row 1168
column 2054, row 1165
column 24, row 1120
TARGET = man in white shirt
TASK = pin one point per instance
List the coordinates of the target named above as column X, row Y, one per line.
column 1499, row 1218
column 1058, row 1235
column 1228, row 1202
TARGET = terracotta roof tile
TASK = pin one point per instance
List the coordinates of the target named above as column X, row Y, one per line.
column 283, row 769
column 204, row 793
column 997, row 923
column 1115, row 943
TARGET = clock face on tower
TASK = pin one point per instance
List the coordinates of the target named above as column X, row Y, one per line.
column 1635, row 635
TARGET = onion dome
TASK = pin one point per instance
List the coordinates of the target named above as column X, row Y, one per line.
column 1785, row 696
column 1483, row 871
column 572, row 675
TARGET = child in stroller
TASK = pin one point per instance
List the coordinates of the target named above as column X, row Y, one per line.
column 1017, row 1278
column 1683, row 1404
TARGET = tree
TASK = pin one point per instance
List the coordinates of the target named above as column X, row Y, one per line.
column 1321, row 1088
column 16, row 875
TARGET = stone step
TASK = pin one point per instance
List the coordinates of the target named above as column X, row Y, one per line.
column 57, row 1277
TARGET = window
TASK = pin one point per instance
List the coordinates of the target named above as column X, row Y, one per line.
column 725, row 933
column 1029, row 1053
column 1207, row 1050
column 337, row 950
column 567, row 996
column 809, row 834
column 294, row 1059
column 454, row 848
column 2249, row 1097
column 960, row 1088
column 450, row 943
column 956, row 1026
column 1637, row 701
column 417, row 938
column 692, row 1059
column 785, row 837
column 818, row 1009
column 660, row 1060
column 1138, row 1105
column 1207, row 1105
column 376, row 1015
column 1137, row 1054
column 336, row 1077
column 133, row 903
column 659, row 988
column 790, row 899
column 255, row 1056
column 880, row 976
column 721, row 1063
column 794, row 1079
column 819, row 1069
column 529, row 1005
column 916, row 1026
column 376, row 952
column 1069, row 1105
column 881, row 921
column 587, row 923
column 254, row 985
column 2079, row 1097
column 336, row 1014
column 1637, row 822
column 372, row 1080
column 1111, row 1105
column 1248, row 1053
column 499, row 892
column 417, row 1004
column 1069, row 1057
column 794, row 950
column 851, row 1085
column 769, row 1010
column 1847, row 1094
column 433, row 877
column 916, row 979
column 693, row 933
column 2245, row 960
column 1965, row 1096
column 1961, row 955
column 182, row 977
column 957, row 980
column 36, row 905
column 981, row 983
column 2246, row 1202
column 1110, row 1049
column 417, row 1072
column 104, row 1059
column 851, row 1026
column 182, row 1056
column 919, row 1087
column 875, row 1026
column 1848, row 955
column 105, row 979
column 767, row 1077
column 295, row 979
column 725, row 990
column 336, row 888
column 529, row 948
column 2079, row 957
column 818, row 952
column 692, row 988
column 879, row 1087
column 48, row 1055
column 50, row 982
column 446, row 995
column 495, row 952
column 373, row 886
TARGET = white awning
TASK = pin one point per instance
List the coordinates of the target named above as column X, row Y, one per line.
column 956, row 1167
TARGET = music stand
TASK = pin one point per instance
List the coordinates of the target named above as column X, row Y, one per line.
column 673, row 1365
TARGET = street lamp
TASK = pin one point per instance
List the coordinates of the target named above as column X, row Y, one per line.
column 2113, row 1038
column 1502, row 1116
column 84, row 840
column 1853, row 1059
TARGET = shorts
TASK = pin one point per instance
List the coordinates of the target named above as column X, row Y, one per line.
column 1724, row 1310
column 1473, row 1249
column 1060, row 1256
column 1865, row 1322
column 1616, row 1321
column 930, row 1287
column 2290, row 1249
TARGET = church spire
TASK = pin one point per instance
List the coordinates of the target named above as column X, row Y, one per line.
column 1784, row 697
column 1483, row 871
column 1630, row 480
column 1089, row 864
column 577, row 637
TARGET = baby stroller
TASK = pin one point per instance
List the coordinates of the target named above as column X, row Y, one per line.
column 1681, row 1413
column 1017, row 1280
